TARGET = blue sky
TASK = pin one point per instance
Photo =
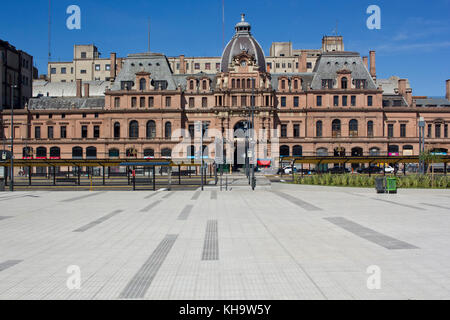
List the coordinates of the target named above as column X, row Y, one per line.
column 413, row 41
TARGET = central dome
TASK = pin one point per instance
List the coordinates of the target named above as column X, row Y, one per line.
column 243, row 41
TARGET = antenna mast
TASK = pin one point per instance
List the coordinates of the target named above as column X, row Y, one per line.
column 223, row 24
column 148, row 34
column 49, row 30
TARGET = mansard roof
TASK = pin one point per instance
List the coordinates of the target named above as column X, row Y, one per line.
column 329, row 63
column 154, row 63
column 66, row 103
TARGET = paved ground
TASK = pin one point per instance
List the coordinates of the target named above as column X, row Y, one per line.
column 287, row 242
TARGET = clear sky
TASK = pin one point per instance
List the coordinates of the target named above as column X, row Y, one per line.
column 413, row 42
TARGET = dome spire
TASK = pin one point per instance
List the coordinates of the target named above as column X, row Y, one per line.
column 243, row 26
column 243, row 17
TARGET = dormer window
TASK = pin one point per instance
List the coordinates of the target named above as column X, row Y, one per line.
column 243, row 63
column 344, row 83
column 142, row 84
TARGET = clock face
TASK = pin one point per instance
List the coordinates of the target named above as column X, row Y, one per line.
column 243, row 63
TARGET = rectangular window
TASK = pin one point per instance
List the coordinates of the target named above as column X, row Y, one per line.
column 116, row 102
column 208, row 66
column 234, row 101
column 204, row 102
column 191, row 131
column 217, row 66
column 296, row 101
column 429, row 131
column 84, row 131
column 296, row 130
column 309, row 65
column 369, row 101
column 284, row 130
column 402, row 130
column 142, row 102
column 53, row 70
column 83, row 71
column 133, row 102
column 83, row 55
column 360, row 84
column 168, row 101
column 243, row 101
column 336, row 101
column 151, row 101
column 107, row 67
column 191, row 102
column 344, row 101
column 97, row 67
column 319, row 101
column 37, row 132
column 445, row 130
column 327, row 83
column 50, row 132
column 353, row 101
column 96, row 131
column 283, row 101
column 63, row 70
column 63, row 132
column 437, row 130
column 197, row 66
column 390, row 130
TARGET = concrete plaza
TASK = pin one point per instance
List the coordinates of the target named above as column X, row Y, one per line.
column 278, row 242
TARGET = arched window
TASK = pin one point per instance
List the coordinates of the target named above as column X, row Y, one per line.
column 374, row 151
column 370, row 128
column 322, row 152
column 27, row 153
column 344, row 83
column 166, row 153
column 204, row 84
column 55, row 153
column 353, row 128
column 336, row 128
column 134, row 130
column 142, row 84
column 238, row 83
column 249, row 84
column 191, row 85
column 116, row 130
column 284, row 151
column 233, row 83
column 168, row 130
column 77, row 153
column 151, row 129
column 91, row 153
column 297, row 151
column 319, row 128
column 113, row 153
column 149, row 153
column 191, row 152
column 41, row 153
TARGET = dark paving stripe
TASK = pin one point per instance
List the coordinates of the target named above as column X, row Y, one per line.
column 400, row 204
column 436, row 206
column 211, row 243
column 4, row 217
column 151, row 195
column 185, row 212
column 151, row 206
column 196, row 195
column 370, row 235
column 142, row 280
column 298, row 202
column 83, row 197
column 8, row 264
column 167, row 195
column 98, row 221
column 213, row 195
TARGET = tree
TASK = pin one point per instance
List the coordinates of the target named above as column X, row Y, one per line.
column 428, row 158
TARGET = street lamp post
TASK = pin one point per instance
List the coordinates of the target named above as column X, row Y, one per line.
column 253, row 135
column 11, row 184
column 421, row 143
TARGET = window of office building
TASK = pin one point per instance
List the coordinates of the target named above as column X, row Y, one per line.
column 191, row 102
column 97, row 67
column 390, row 130
column 370, row 128
column 437, row 130
column 402, row 130
column 283, row 101
column 296, row 101
column 53, row 70
column 107, row 67
column 83, row 55
column 133, row 102
column 344, row 101
column 429, row 131
column 197, row 66
column 117, row 102
column 353, row 101
column 84, row 131
column 243, row 101
column 319, row 101
column 63, row 70
column 151, row 102
column 284, row 130
column 204, row 102
column 37, row 132
column 96, row 131
column 50, row 132
column 296, row 130
column 168, row 101
column 335, row 101
column 234, row 101
column 319, row 128
column 370, row 101
column 63, row 132
column 208, row 66
column 83, row 71
column 445, row 130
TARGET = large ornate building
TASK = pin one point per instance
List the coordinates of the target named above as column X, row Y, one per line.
column 337, row 108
